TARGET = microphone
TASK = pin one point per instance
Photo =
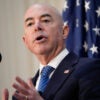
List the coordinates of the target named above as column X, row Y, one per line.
column 0, row 57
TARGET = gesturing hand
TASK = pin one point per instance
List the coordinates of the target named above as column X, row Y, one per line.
column 5, row 94
column 25, row 91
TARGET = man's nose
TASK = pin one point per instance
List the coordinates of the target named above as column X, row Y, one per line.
column 37, row 26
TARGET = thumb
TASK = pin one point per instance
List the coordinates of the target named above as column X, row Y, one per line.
column 5, row 94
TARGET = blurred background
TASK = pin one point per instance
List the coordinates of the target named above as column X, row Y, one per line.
column 16, row 59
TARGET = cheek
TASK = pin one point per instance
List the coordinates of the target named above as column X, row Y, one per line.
column 28, row 40
column 55, row 38
column 56, row 34
column 28, row 32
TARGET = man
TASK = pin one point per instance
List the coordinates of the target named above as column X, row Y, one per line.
column 72, row 78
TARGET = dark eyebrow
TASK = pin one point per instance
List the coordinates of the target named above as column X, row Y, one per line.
column 30, row 18
column 46, row 15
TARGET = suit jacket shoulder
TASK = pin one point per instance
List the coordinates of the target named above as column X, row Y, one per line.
column 75, row 78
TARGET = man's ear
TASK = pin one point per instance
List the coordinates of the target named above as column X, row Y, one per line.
column 24, row 39
column 65, row 31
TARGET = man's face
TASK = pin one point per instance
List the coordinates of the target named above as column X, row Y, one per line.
column 43, row 30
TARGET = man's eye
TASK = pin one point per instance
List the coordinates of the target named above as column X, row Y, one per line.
column 29, row 24
column 46, row 21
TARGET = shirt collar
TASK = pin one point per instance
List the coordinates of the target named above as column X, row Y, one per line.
column 56, row 61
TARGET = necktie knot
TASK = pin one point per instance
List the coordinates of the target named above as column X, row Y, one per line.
column 46, row 71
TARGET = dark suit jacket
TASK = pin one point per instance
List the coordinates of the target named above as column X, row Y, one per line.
column 74, row 79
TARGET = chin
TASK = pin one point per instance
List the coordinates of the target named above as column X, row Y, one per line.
column 40, row 52
column 41, row 49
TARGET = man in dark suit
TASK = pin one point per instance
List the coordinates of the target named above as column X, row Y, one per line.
column 72, row 78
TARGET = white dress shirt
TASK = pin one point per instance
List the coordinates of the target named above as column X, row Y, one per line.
column 54, row 63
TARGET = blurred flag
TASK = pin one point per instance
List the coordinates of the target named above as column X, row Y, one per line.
column 83, row 18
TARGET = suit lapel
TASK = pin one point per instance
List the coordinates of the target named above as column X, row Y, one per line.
column 62, row 72
column 34, row 79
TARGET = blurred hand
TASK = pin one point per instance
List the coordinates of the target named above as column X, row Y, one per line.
column 5, row 94
column 26, row 91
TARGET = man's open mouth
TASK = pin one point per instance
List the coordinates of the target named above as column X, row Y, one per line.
column 40, row 38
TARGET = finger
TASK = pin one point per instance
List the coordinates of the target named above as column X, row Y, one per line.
column 19, row 96
column 22, row 82
column 5, row 94
column 20, row 89
column 30, row 83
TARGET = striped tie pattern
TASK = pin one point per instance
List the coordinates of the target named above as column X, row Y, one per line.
column 44, row 78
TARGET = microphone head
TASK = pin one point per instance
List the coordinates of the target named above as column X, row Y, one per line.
column 0, row 57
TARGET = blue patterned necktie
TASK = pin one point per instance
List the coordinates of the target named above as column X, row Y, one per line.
column 44, row 78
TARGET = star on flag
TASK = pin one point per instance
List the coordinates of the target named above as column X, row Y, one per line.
column 94, row 49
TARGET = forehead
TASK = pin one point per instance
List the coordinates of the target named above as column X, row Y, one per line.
column 38, row 10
